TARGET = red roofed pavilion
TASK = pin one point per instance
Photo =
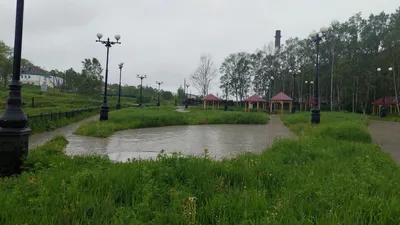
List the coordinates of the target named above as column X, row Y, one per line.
column 254, row 99
column 210, row 98
column 378, row 103
column 281, row 98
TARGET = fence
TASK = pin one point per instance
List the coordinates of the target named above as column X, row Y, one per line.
column 60, row 115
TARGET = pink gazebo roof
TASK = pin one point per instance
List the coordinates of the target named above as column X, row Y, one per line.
column 255, row 98
column 211, row 97
column 388, row 101
column 281, row 97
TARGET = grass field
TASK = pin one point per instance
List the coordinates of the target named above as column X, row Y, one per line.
column 55, row 101
column 327, row 176
column 165, row 116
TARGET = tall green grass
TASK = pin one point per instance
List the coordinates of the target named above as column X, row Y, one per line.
column 132, row 118
column 306, row 181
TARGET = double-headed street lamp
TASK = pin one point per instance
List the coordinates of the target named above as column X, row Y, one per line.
column 159, row 90
column 141, row 88
column 383, row 108
column 119, row 88
column 108, row 44
column 14, row 131
column 317, row 37
column 309, row 92
column 294, row 73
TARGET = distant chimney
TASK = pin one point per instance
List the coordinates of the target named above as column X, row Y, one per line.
column 278, row 39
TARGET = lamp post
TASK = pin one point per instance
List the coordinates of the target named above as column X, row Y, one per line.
column 141, row 88
column 383, row 108
column 317, row 37
column 309, row 93
column 294, row 73
column 108, row 44
column 187, row 90
column 159, row 90
column 119, row 88
column 14, row 131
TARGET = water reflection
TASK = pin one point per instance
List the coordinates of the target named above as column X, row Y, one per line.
column 220, row 140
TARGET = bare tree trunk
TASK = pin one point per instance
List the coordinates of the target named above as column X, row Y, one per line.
column 357, row 87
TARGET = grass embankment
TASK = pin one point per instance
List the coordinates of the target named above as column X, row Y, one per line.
column 55, row 101
column 132, row 118
column 325, row 179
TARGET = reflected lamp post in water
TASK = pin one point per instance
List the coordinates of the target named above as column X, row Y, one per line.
column 108, row 44
column 14, row 130
column 294, row 73
column 119, row 88
column 141, row 88
column 317, row 37
column 159, row 91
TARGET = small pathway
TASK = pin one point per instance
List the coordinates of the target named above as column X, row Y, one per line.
column 276, row 129
column 41, row 138
column 386, row 135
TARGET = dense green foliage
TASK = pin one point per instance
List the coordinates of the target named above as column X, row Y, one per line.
column 156, row 117
column 349, row 56
column 312, row 180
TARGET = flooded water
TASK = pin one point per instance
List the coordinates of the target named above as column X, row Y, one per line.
column 221, row 141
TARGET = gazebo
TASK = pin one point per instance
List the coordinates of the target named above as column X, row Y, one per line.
column 378, row 103
column 281, row 98
column 254, row 99
column 210, row 98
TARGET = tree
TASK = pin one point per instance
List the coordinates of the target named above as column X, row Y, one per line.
column 204, row 74
column 5, row 63
column 91, row 73
column 181, row 94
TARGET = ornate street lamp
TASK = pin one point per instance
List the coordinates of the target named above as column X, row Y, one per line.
column 294, row 73
column 119, row 88
column 317, row 37
column 141, row 88
column 14, row 131
column 159, row 90
column 108, row 44
column 383, row 108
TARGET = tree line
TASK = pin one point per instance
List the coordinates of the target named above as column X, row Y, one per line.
column 89, row 81
column 349, row 56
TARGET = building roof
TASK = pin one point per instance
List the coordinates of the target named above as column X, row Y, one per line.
column 255, row 98
column 388, row 101
column 281, row 97
column 211, row 97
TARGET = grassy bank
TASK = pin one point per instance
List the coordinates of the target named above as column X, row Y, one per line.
column 312, row 180
column 156, row 117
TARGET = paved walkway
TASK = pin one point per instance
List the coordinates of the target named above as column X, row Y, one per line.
column 387, row 136
column 276, row 129
column 41, row 138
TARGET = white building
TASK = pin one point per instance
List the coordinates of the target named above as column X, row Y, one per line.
column 39, row 79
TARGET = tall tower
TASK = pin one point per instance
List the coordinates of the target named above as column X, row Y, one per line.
column 278, row 39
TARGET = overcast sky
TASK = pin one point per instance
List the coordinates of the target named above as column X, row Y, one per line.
column 165, row 38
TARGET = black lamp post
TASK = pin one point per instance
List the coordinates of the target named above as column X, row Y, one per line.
column 14, row 131
column 141, row 88
column 383, row 112
column 309, row 93
column 108, row 44
column 159, row 91
column 187, row 97
column 294, row 73
column 119, row 88
column 317, row 37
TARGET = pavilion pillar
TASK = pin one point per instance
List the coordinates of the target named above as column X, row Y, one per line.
column 373, row 109
column 281, row 107
column 213, row 106
column 218, row 104
column 258, row 106
column 204, row 105
column 270, row 107
column 245, row 106
column 379, row 112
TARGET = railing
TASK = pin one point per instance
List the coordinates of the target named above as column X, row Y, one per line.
column 60, row 115
column 66, row 114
